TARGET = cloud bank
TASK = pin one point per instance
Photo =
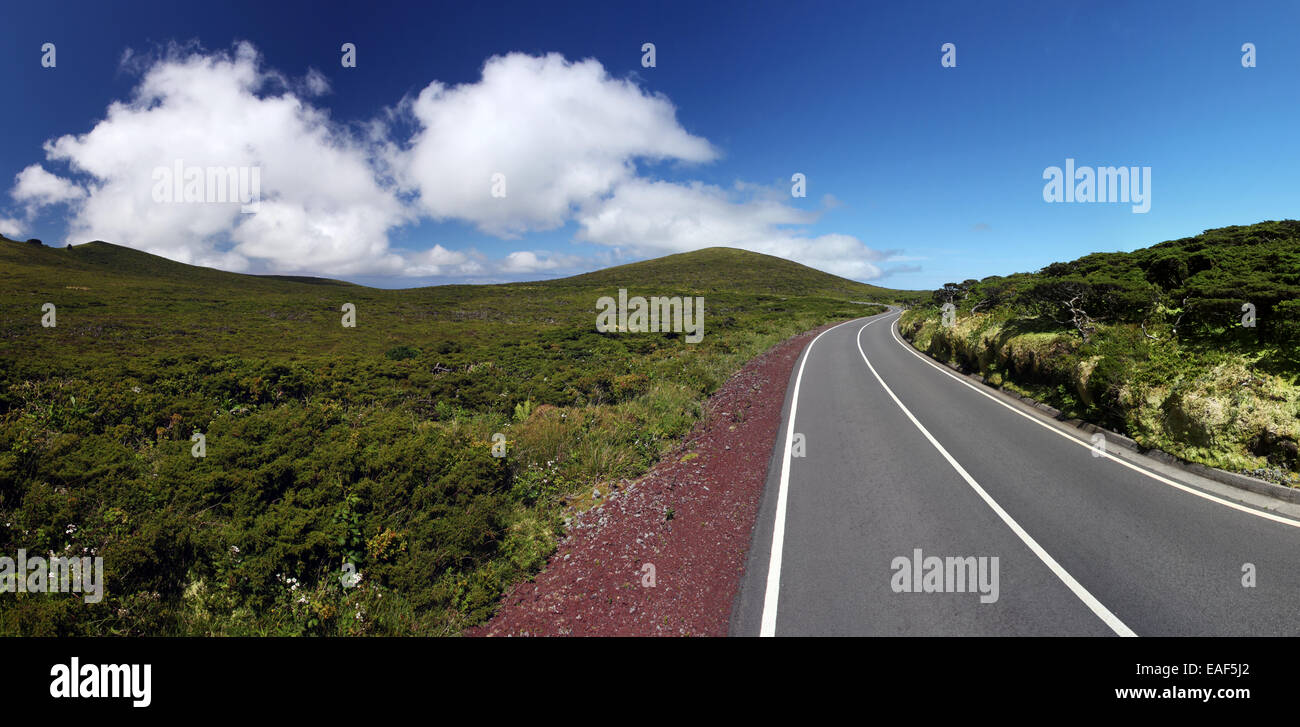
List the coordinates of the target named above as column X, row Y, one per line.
column 537, row 143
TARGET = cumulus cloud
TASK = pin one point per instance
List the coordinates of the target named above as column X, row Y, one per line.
column 652, row 218
column 322, row 206
column 37, row 188
column 528, row 261
column 560, row 133
column 10, row 227
column 571, row 144
column 438, row 261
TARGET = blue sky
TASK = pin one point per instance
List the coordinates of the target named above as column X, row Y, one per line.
column 916, row 174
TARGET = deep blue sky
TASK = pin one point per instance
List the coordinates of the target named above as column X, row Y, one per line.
column 942, row 165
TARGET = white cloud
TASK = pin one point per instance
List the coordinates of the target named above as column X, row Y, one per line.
column 473, row 265
column 649, row 219
column 561, row 133
column 567, row 137
column 316, row 83
column 37, row 188
column 527, row 261
column 322, row 207
column 438, row 261
column 11, row 228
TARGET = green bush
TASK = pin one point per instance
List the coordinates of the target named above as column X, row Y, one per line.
column 401, row 353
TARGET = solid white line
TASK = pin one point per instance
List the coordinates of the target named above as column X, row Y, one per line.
column 1088, row 599
column 1087, row 445
column 778, row 527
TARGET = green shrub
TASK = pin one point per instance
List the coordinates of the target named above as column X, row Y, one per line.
column 401, row 353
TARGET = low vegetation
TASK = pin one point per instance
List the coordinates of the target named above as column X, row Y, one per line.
column 328, row 448
column 1191, row 346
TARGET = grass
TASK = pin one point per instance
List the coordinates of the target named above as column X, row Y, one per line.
column 328, row 445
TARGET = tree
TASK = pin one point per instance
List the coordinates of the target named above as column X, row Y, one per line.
column 952, row 292
column 1064, row 301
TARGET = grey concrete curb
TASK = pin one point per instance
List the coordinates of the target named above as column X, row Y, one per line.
column 1232, row 479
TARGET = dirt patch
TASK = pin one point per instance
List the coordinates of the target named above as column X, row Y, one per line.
column 689, row 518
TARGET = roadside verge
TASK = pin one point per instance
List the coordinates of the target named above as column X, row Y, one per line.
column 689, row 520
column 1242, row 488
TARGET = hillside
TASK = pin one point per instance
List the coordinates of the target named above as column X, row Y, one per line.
column 324, row 444
column 1191, row 346
column 700, row 271
column 36, row 263
column 721, row 268
column 131, row 298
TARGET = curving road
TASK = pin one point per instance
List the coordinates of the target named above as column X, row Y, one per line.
column 901, row 454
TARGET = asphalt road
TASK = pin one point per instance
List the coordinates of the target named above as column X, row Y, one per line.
column 901, row 454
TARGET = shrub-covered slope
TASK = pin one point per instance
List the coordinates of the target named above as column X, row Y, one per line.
column 1191, row 346
column 328, row 445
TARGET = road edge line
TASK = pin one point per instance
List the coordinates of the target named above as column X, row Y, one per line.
column 772, row 590
column 893, row 329
column 1089, row 600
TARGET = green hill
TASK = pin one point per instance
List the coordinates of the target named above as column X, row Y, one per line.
column 1191, row 346
column 131, row 298
column 701, row 271
column 722, row 268
column 327, row 444
column 25, row 261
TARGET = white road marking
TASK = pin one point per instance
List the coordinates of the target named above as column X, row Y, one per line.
column 1088, row 599
column 1088, row 445
column 778, row 526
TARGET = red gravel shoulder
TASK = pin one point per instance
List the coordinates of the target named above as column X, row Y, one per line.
column 597, row 582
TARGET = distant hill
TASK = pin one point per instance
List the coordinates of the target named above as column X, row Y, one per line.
column 711, row 269
column 129, row 298
column 719, row 268
column 105, row 261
